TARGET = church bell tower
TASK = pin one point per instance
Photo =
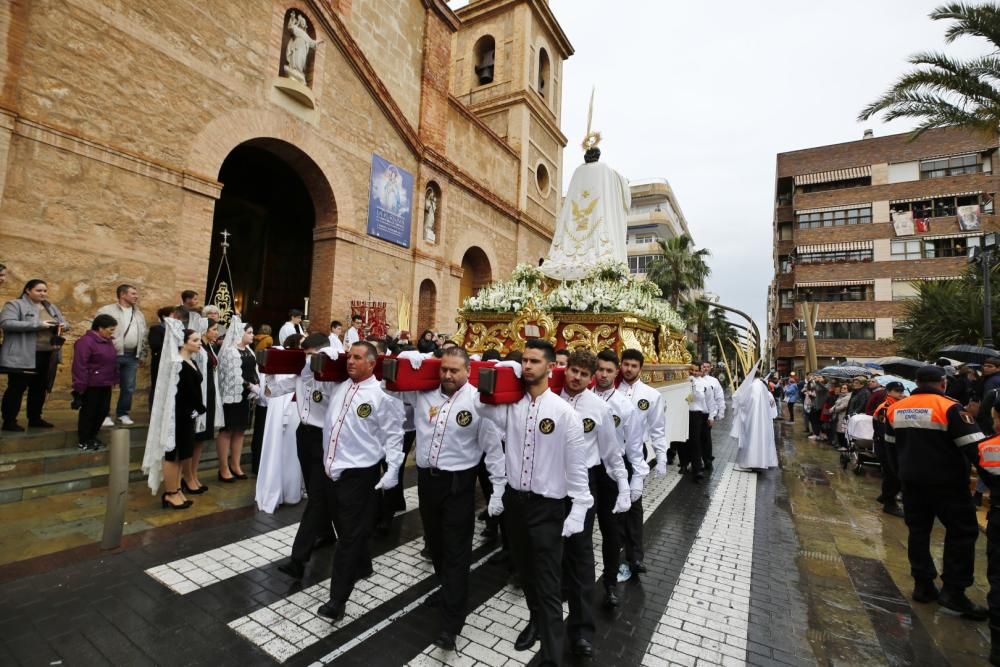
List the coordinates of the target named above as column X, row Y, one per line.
column 507, row 69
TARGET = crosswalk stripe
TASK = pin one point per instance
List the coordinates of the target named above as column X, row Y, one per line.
column 708, row 614
column 210, row 567
column 490, row 630
column 291, row 624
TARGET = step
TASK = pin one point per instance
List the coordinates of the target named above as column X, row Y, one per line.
column 38, row 439
column 15, row 489
column 44, row 461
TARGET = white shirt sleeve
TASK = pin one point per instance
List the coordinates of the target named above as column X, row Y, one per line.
column 634, row 430
column 489, row 440
column 575, row 462
column 658, row 426
column 610, row 448
column 391, row 425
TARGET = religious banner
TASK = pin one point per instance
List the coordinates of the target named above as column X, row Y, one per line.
column 389, row 202
column 921, row 225
column 968, row 217
column 902, row 222
column 221, row 295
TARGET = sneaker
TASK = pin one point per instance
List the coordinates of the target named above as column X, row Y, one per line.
column 126, row 420
column 624, row 573
column 108, row 423
column 814, row 437
column 96, row 445
column 83, row 446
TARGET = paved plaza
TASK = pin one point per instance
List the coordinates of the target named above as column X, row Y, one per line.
column 792, row 566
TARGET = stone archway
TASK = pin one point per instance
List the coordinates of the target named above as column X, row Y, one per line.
column 426, row 306
column 274, row 197
column 476, row 273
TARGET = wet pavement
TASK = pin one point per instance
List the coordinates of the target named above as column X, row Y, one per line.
column 796, row 567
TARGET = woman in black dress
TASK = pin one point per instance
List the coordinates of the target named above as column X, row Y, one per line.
column 207, row 362
column 187, row 405
column 240, row 386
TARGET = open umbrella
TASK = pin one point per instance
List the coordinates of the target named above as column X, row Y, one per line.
column 883, row 380
column 900, row 366
column 844, row 371
column 973, row 353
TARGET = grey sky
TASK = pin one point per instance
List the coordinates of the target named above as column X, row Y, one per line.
column 706, row 94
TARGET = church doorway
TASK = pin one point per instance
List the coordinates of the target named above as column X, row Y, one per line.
column 269, row 206
column 476, row 273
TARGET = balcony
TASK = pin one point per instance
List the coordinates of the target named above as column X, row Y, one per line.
column 903, row 269
column 784, row 214
column 651, row 248
column 837, row 348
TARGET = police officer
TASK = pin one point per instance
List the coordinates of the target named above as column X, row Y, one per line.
column 935, row 442
column 890, row 475
column 989, row 472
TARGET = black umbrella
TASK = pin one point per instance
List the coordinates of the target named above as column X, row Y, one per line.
column 901, row 366
column 968, row 353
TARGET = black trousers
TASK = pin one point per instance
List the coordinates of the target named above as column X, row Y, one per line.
column 578, row 570
column 34, row 384
column 448, row 512
column 96, row 406
column 630, row 525
column 316, row 522
column 815, row 425
column 993, row 565
column 951, row 504
column 257, row 441
column 534, row 530
column 891, row 485
column 392, row 501
column 351, row 503
column 691, row 453
column 605, row 492
column 706, row 445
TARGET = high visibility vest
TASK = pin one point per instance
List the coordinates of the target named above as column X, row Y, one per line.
column 989, row 455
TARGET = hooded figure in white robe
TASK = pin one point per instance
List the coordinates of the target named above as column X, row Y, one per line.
column 753, row 426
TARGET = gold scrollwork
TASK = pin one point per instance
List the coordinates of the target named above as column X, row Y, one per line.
column 463, row 328
column 530, row 315
column 579, row 337
column 637, row 339
column 488, row 338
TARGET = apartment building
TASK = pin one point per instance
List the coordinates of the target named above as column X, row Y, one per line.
column 655, row 215
column 857, row 224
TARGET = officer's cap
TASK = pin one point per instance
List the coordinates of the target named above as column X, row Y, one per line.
column 895, row 386
column 930, row 374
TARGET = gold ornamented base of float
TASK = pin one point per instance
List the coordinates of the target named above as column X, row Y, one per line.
column 664, row 350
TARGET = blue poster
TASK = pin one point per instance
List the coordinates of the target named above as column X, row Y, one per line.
column 389, row 202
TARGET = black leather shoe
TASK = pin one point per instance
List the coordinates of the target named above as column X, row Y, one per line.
column 527, row 638
column 611, row 597
column 697, row 477
column 293, row 568
column 582, row 647
column 12, row 426
column 188, row 489
column 445, row 641
column 332, row 611
column 893, row 509
column 227, row 480
column 433, row 600
column 40, row 423
column 670, row 458
column 637, row 567
column 957, row 601
column 925, row 591
column 683, row 470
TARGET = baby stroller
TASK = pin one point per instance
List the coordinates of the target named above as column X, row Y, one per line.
column 860, row 443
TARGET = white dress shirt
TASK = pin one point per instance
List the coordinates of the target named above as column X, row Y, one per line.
column 720, row 397
column 600, row 435
column 702, row 398
column 630, row 425
column 546, row 453
column 451, row 435
column 649, row 403
column 336, row 344
column 351, row 337
column 363, row 425
column 287, row 329
column 312, row 397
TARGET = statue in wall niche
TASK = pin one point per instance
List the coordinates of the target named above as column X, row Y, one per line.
column 300, row 45
column 430, row 213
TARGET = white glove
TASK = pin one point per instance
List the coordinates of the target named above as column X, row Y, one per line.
column 517, row 370
column 415, row 358
column 661, row 465
column 475, row 357
column 389, row 480
column 574, row 522
column 623, row 503
column 330, row 352
column 495, row 508
column 635, row 488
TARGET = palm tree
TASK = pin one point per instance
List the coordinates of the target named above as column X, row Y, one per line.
column 943, row 91
column 720, row 329
column 699, row 319
column 681, row 268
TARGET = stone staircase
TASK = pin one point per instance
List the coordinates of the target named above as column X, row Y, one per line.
column 44, row 462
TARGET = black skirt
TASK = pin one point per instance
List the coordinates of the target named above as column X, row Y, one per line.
column 237, row 416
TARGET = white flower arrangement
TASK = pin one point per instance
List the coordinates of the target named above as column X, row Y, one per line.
column 607, row 288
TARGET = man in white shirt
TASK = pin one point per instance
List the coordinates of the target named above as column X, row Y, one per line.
column 129, row 340
column 312, row 401
column 604, row 460
column 546, row 460
column 701, row 406
column 355, row 333
column 291, row 327
column 719, row 396
column 363, row 426
column 451, row 439
column 649, row 403
column 336, row 331
column 630, row 427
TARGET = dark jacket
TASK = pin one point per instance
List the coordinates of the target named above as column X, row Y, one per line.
column 988, row 398
column 95, row 362
column 859, row 399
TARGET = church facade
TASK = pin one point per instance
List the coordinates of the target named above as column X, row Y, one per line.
column 396, row 151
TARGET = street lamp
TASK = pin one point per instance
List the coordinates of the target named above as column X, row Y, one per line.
column 984, row 257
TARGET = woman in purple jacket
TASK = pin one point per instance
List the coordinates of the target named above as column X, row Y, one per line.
column 95, row 371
